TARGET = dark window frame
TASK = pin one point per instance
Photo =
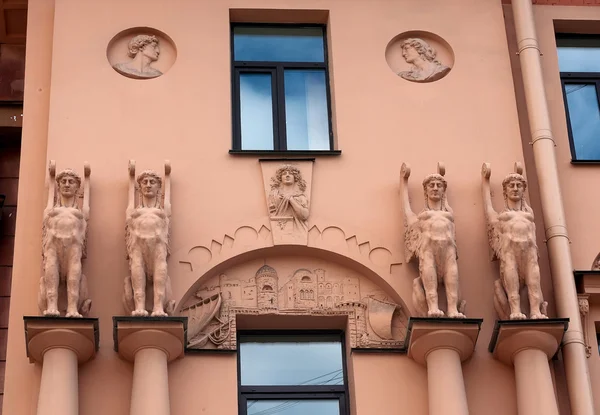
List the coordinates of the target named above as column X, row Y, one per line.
column 577, row 78
column 276, row 69
column 293, row 392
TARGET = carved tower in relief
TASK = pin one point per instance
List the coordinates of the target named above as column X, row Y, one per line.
column 267, row 284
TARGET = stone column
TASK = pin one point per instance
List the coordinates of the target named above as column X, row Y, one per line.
column 60, row 345
column 150, row 343
column 528, row 345
column 442, row 344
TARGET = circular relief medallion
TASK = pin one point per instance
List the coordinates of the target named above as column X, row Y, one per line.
column 419, row 56
column 141, row 53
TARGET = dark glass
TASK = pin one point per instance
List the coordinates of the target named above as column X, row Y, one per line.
column 291, row 360
column 306, row 114
column 584, row 115
column 256, row 111
column 278, row 44
column 294, row 407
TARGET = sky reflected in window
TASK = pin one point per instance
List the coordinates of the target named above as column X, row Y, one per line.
column 584, row 115
column 294, row 407
column 278, row 44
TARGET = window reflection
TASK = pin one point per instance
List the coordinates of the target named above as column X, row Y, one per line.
column 307, row 120
column 584, row 117
column 294, row 407
column 256, row 109
column 301, row 360
column 278, row 44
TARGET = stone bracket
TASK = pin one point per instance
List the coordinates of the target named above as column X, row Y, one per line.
column 81, row 335
column 131, row 334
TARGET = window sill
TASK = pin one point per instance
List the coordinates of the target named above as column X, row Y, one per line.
column 584, row 162
column 287, row 153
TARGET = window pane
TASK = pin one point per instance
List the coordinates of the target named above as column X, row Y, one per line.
column 306, row 115
column 256, row 111
column 287, row 360
column 579, row 59
column 584, row 115
column 278, row 44
column 294, row 407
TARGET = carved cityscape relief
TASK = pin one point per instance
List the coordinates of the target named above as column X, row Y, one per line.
column 287, row 188
column 374, row 319
column 63, row 286
column 148, row 287
column 430, row 238
column 422, row 57
column 511, row 234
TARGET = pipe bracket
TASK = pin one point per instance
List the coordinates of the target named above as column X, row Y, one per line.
column 556, row 230
column 529, row 43
column 542, row 134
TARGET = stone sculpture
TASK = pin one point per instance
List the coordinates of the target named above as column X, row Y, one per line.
column 144, row 50
column 430, row 238
column 596, row 263
column 148, row 287
column 63, row 245
column 422, row 58
column 512, row 237
column 287, row 198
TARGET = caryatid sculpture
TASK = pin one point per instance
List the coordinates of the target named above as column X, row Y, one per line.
column 148, row 287
column 430, row 237
column 63, row 245
column 512, row 238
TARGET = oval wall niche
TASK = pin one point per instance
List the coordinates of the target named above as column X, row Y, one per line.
column 141, row 53
column 419, row 56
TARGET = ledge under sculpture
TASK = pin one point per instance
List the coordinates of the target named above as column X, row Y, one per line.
column 511, row 234
column 148, row 287
column 430, row 238
column 63, row 286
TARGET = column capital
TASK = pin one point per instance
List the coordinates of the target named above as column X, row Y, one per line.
column 132, row 334
column 425, row 335
column 513, row 336
column 81, row 335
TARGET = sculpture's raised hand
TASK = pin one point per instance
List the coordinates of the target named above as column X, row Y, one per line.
column 167, row 167
column 87, row 170
column 132, row 168
column 486, row 171
column 405, row 171
column 52, row 168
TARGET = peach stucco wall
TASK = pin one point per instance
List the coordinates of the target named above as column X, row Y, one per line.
column 87, row 111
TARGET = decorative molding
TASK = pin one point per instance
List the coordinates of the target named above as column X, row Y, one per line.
column 584, row 312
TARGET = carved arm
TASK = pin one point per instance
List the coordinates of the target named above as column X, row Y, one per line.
column 85, row 208
column 131, row 193
column 300, row 206
column 486, row 172
column 409, row 215
column 51, row 184
column 167, row 202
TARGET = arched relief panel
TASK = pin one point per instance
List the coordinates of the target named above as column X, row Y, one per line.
column 276, row 283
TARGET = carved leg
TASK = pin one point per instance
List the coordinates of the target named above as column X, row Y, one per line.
column 42, row 300
column 510, row 282
column 51, row 281
column 138, row 283
column 534, row 289
column 169, row 304
column 451, row 285
column 418, row 298
column 73, row 281
column 500, row 301
column 85, row 303
column 160, row 281
column 430, row 284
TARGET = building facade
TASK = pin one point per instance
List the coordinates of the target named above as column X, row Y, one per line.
column 286, row 124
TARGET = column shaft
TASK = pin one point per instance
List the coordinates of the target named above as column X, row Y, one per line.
column 150, row 392
column 535, row 392
column 59, row 392
column 446, row 385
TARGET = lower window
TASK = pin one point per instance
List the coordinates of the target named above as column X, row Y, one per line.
column 292, row 373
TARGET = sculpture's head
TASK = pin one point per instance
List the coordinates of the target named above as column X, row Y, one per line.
column 144, row 44
column 288, row 175
column 149, row 182
column 513, row 187
column 68, row 182
column 434, row 186
column 414, row 48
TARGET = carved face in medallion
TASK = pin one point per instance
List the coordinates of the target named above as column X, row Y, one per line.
column 149, row 186
column 151, row 50
column 410, row 54
column 287, row 177
column 435, row 190
column 515, row 190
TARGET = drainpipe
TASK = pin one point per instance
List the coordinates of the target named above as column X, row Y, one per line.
column 573, row 346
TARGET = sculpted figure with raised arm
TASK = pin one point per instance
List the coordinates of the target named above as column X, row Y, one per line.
column 430, row 238
column 512, row 237
column 148, row 286
column 63, row 286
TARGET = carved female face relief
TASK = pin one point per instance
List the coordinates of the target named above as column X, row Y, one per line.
column 149, row 186
column 515, row 190
column 435, row 190
column 287, row 177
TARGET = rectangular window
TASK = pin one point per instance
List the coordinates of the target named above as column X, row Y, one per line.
column 579, row 63
column 280, row 88
column 292, row 374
